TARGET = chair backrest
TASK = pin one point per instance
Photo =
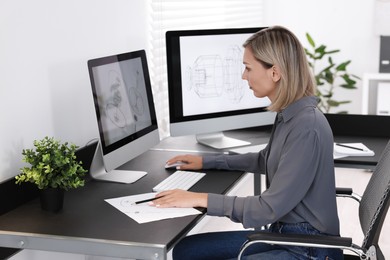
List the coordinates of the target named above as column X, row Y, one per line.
column 375, row 201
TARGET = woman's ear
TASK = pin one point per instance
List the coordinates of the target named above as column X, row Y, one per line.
column 275, row 73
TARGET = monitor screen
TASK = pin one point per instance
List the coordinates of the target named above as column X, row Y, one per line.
column 207, row 94
column 124, row 108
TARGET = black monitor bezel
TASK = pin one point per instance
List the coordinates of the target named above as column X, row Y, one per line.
column 174, row 73
column 113, row 59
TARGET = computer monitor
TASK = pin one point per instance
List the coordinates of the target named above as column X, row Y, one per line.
column 125, row 113
column 207, row 94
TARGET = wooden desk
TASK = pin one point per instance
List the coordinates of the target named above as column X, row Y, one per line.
column 89, row 225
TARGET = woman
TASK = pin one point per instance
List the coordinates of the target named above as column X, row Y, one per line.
column 298, row 163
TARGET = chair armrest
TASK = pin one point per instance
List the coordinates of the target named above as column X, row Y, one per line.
column 347, row 193
column 301, row 240
column 343, row 191
column 306, row 240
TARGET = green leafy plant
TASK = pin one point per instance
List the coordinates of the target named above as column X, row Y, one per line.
column 330, row 76
column 53, row 165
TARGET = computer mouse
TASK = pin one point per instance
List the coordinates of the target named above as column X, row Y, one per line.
column 174, row 165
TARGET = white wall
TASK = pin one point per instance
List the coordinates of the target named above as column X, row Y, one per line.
column 44, row 82
column 346, row 25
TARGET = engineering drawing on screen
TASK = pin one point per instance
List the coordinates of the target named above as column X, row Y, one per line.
column 113, row 105
column 122, row 100
column 213, row 75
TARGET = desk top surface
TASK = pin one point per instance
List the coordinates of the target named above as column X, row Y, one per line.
column 261, row 136
column 87, row 216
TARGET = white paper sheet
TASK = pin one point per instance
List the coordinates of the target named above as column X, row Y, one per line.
column 343, row 151
column 143, row 213
column 339, row 151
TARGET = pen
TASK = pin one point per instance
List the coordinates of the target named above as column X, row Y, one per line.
column 147, row 200
column 351, row 147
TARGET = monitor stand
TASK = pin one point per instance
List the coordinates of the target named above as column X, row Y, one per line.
column 219, row 140
column 98, row 172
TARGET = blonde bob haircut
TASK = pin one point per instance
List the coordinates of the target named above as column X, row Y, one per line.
column 277, row 46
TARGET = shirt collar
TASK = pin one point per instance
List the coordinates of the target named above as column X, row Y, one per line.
column 291, row 110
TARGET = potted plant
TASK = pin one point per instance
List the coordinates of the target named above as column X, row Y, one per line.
column 54, row 169
column 330, row 76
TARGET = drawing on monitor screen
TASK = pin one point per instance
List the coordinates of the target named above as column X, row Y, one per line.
column 136, row 99
column 123, row 108
column 234, row 85
column 213, row 75
column 116, row 106
column 113, row 106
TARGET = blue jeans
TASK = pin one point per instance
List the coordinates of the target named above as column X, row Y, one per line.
column 226, row 245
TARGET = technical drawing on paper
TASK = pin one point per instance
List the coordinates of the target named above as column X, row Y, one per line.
column 126, row 202
column 213, row 75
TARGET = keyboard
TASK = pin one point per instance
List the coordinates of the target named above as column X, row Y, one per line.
column 179, row 180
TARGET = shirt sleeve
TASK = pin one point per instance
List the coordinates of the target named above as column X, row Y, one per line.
column 295, row 172
column 249, row 162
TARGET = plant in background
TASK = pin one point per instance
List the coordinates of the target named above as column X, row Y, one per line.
column 331, row 76
column 53, row 165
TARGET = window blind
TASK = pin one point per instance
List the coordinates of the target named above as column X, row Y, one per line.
column 166, row 15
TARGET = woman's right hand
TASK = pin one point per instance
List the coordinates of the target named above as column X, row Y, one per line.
column 191, row 162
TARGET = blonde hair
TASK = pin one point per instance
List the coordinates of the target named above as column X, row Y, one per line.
column 278, row 46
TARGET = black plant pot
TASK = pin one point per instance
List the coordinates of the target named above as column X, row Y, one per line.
column 52, row 199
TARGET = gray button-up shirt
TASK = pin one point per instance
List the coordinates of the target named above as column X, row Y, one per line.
column 300, row 173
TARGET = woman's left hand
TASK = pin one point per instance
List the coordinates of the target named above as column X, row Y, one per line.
column 180, row 199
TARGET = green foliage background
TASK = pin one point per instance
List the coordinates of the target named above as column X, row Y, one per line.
column 332, row 75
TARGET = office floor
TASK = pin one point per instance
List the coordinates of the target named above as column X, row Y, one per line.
column 354, row 178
